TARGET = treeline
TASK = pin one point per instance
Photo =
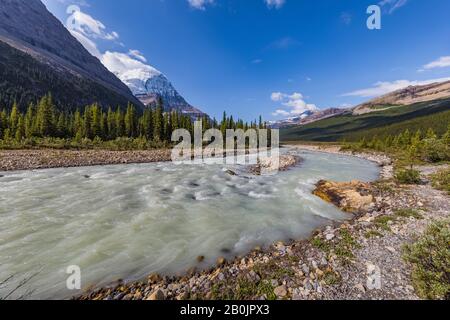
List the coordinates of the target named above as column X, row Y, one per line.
column 43, row 120
column 420, row 145
column 438, row 121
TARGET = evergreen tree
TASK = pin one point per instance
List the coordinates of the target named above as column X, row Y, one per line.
column 20, row 128
column 430, row 134
column 30, row 124
column 14, row 118
column 120, row 125
column 130, row 122
column 111, row 124
column 45, row 116
column 158, row 124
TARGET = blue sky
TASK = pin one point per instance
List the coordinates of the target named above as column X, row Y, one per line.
column 253, row 57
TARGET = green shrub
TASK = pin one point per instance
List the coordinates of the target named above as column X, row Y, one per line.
column 408, row 176
column 435, row 150
column 441, row 180
column 430, row 259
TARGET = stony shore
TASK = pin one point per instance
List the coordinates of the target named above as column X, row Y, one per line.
column 48, row 158
column 335, row 263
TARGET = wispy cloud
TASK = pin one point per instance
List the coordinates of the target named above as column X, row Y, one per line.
column 383, row 87
column 87, row 30
column 277, row 4
column 392, row 5
column 85, row 24
column 441, row 62
column 82, row 3
column 257, row 61
column 284, row 43
column 200, row 4
column 295, row 103
column 137, row 54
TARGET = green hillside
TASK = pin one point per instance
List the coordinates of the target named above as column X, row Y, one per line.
column 431, row 114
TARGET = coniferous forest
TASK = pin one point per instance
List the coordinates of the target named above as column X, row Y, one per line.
column 44, row 125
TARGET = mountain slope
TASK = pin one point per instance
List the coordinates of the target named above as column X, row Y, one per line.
column 406, row 96
column 435, row 114
column 307, row 117
column 51, row 59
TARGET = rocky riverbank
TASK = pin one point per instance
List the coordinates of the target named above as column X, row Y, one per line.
column 49, row 158
column 359, row 259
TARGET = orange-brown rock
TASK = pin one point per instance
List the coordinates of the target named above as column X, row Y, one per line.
column 354, row 196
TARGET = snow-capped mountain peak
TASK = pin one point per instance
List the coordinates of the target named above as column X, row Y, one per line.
column 147, row 83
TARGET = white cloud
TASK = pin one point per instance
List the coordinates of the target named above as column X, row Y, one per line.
column 88, row 26
column 281, row 113
column 257, row 61
column 295, row 102
column 392, row 5
column 130, row 67
column 137, row 54
column 277, row 4
column 133, row 72
column 200, row 4
column 277, row 96
column 384, row 87
column 442, row 62
column 90, row 45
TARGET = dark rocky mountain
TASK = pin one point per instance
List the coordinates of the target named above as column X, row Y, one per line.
column 39, row 55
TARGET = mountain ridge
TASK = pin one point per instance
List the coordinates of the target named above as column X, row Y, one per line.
column 405, row 96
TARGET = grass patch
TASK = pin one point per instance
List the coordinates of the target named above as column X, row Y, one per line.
column 271, row 270
column 373, row 234
column 321, row 244
column 408, row 213
column 430, row 258
column 343, row 247
column 383, row 222
column 331, row 278
column 243, row 289
column 441, row 180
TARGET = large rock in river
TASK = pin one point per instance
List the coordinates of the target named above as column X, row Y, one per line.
column 354, row 196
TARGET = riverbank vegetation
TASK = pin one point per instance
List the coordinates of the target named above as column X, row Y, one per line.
column 43, row 125
column 389, row 122
column 430, row 259
column 409, row 149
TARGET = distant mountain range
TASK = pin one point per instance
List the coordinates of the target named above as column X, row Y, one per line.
column 399, row 98
column 306, row 118
column 39, row 55
column 413, row 108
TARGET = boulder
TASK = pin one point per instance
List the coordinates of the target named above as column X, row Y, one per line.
column 354, row 196
column 270, row 164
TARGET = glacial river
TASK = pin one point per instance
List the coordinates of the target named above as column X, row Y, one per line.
column 128, row 221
